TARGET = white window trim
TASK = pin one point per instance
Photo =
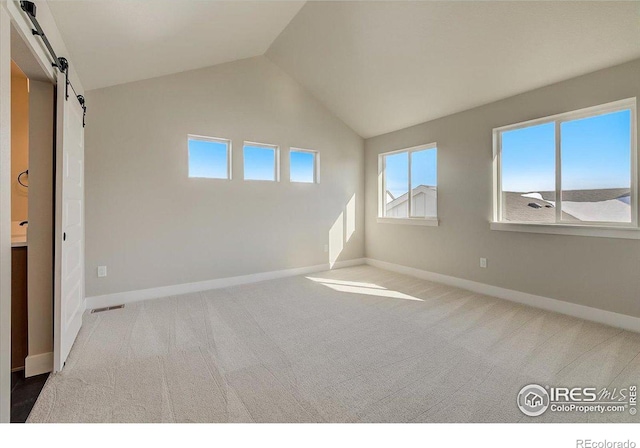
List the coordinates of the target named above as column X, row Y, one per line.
column 276, row 154
column 316, row 165
column 429, row 221
column 204, row 138
column 420, row 221
column 631, row 233
column 596, row 229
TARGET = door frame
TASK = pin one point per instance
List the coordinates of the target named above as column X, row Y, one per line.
column 5, row 215
column 11, row 14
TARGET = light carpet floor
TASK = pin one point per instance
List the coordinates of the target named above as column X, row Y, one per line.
column 351, row 345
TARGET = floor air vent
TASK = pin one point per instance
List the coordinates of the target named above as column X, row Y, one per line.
column 107, row 308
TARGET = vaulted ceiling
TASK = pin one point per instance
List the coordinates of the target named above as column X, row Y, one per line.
column 117, row 41
column 379, row 66
column 383, row 66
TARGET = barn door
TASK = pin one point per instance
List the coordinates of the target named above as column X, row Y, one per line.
column 69, row 302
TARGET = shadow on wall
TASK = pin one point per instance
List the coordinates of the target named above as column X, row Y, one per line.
column 342, row 230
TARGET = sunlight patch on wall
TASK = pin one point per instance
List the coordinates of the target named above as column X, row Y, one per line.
column 350, row 217
column 336, row 239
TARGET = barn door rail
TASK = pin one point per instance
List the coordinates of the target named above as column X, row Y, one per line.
column 62, row 64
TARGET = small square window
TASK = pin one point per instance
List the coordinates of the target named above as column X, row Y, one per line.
column 261, row 162
column 303, row 166
column 209, row 157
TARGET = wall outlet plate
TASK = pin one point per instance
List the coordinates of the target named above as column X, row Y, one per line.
column 483, row 262
column 102, row 271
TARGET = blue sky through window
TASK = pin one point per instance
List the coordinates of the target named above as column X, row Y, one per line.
column 396, row 173
column 423, row 170
column 595, row 155
column 208, row 159
column 302, row 166
column 596, row 152
column 529, row 159
column 259, row 163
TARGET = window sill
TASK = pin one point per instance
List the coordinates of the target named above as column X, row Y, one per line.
column 432, row 222
column 632, row 233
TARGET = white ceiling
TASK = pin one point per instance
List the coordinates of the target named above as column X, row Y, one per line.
column 117, row 41
column 379, row 66
column 383, row 66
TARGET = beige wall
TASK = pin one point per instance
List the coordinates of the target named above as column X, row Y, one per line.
column 19, row 143
column 153, row 226
column 596, row 272
column 40, row 247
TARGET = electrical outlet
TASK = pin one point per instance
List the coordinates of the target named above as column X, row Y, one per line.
column 326, row 248
column 102, row 271
column 483, row 262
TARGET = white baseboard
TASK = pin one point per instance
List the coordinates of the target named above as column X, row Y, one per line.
column 38, row 364
column 559, row 306
column 44, row 362
column 186, row 288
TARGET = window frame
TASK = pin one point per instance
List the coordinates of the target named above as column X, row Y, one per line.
column 204, row 138
column 411, row 220
column 560, row 226
column 316, row 164
column 276, row 156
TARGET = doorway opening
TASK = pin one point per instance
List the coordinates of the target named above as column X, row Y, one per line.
column 32, row 227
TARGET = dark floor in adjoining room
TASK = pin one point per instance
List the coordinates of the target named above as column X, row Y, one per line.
column 24, row 393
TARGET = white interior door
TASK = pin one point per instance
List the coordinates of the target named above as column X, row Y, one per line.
column 69, row 236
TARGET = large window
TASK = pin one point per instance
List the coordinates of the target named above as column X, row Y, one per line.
column 209, row 157
column 261, row 162
column 577, row 168
column 409, row 170
column 303, row 166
